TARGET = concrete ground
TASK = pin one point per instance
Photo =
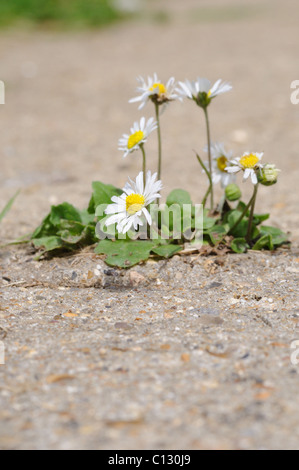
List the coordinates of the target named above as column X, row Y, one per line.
column 191, row 353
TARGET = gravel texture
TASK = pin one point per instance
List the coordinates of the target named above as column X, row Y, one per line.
column 190, row 353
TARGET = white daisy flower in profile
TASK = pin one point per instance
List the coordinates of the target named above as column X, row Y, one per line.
column 130, row 209
column 137, row 137
column 221, row 160
column 153, row 89
column 249, row 163
column 202, row 91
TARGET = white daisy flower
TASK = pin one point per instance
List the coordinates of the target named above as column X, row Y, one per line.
column 131, row 207
column 221, row 160
column 202, row 91
column 155, row 90
column 137, row 137
column 249, row 163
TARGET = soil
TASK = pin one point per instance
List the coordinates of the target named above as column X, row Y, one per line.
column 190, row 353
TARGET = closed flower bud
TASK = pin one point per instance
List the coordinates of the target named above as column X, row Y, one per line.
column 233, row 192
column 268, row 174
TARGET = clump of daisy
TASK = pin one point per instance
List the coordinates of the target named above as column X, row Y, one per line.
column 202, row 92
column 159, row 94
column 137, row 138
column 249, row 163
column 130, row 209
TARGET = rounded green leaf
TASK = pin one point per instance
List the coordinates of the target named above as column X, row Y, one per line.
column 167, row 251
column 265, row 241
column 180, row 197
column 123, row 253
column 239, row 245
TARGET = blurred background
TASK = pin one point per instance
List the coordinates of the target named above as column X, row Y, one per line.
column 64, row 13
column 70, row 67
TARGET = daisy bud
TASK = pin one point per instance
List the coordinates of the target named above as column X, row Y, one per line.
column 268, row 175
column 233, row 192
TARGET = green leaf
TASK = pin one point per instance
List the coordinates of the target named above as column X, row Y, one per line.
column 241, row 230
column 73, row 226
column 239, row 245
column 64, row 211
column 241, row 207
column 8, row 206
column 217, row 234
column 65, row 227
column 278, row 236
column 176, row 201
column 180, row 197
column 265, row 241
column 102, row 194
column 260, row 218
column 125, row 254
column 45, row 229
column 206, row 240
column 167, row 251
column 63, row 217
column 171, row 214
column 87, row 218
column 75, row 233
column 208, row 223
column 271, row 237
column 255, row 233
column 48, row 243
column 233, row 217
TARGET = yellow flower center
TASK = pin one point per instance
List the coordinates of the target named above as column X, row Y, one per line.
column 249, row 161
column 209, row 93
column 222, row 163
column 134, row 203
column 134, row 139
column 162, row 88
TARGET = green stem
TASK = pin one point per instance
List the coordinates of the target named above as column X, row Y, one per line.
column 210, row 180
column 241, row 217
column 250, row 204
column 159, row 141
column 209, row 155
column 221, row 205
column 249, row 230
column 143, row 164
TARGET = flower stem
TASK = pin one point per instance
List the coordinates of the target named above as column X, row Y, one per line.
column 249, row 230
column 251, row 205
column 159, row 141
column 241, row 217
column 209, row 155
column 220, row 206
column 143, row 164
column 210, row 180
